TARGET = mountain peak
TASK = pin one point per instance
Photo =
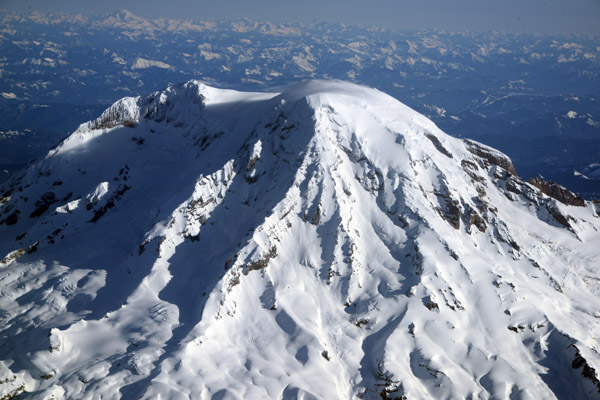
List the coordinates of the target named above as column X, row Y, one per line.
column 321, row 239
column 125, row 15
column 125, row 18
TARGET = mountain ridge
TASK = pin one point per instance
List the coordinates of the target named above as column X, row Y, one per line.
column 322, row 240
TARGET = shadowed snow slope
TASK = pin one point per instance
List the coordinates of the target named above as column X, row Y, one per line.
column 321, row 242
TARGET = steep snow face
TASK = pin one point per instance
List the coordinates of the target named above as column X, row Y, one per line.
column 324, row 241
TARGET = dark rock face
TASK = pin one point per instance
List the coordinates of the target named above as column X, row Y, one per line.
column 557, row 192
column 43, row 204
column 12, row 218
column 110, row 203
column 494, row 157
column 587, row 371
column 263, row 262
column 449, row 209
column 438, row 145
column 112, row 119
column 490, row 155
column 475, row 219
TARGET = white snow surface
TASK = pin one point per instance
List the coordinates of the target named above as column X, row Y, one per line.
column 321, row 242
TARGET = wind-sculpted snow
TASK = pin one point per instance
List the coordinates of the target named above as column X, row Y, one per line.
column 324, row 241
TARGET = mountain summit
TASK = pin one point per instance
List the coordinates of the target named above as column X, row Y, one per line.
column 324, row 241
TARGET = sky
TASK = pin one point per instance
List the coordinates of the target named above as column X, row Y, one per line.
column 533, row 16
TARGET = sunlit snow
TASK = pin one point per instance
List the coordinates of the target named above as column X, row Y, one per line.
column 320, row 241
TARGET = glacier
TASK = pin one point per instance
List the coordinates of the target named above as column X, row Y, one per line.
column 320, row 240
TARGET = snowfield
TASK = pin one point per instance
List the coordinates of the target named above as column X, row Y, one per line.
column 319, row 242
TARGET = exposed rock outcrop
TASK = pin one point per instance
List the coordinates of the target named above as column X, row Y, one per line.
column 490, row 155
column 557, row 192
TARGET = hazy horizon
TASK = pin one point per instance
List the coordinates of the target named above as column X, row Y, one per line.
column 536, row 16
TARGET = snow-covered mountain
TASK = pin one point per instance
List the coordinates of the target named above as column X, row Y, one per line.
column 539, row 91
column 324, row 241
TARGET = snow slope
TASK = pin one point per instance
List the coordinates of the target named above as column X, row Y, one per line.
column 325, row 241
